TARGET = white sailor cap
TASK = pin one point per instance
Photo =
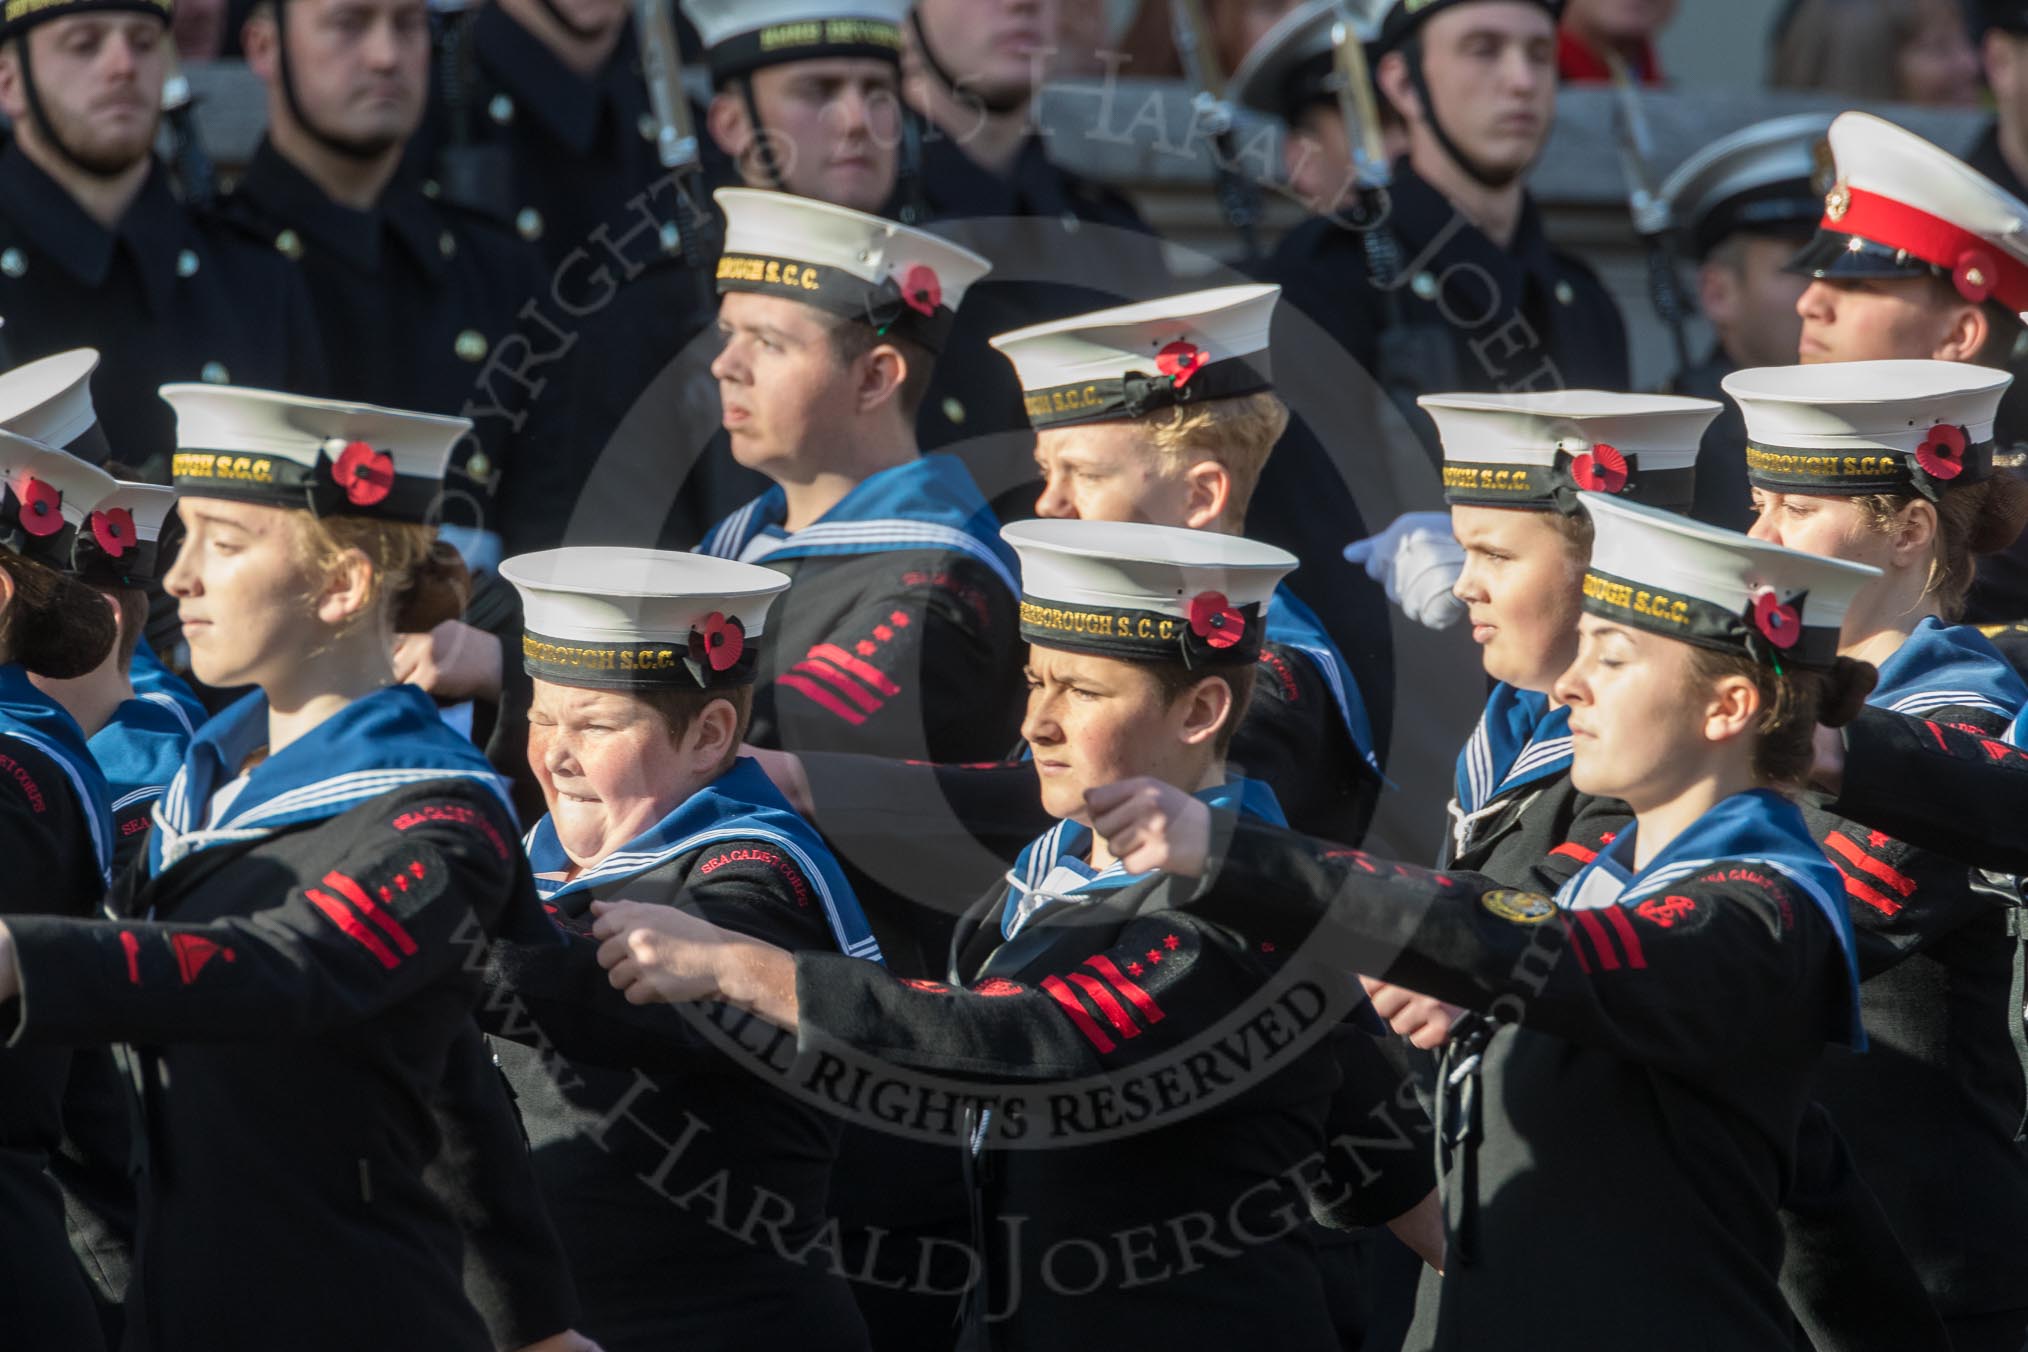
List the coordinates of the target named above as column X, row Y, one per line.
column 741, row 36
column 1904, row 208
column 1131, row 360
column 321, row 455
column 120, row 542
column 1766, row 179
column 1844, row 428
column 892, row 277
column 1145, row 593
column 1294, row 64
column 49, row 495
column 50, row 401
column 1716, row 588
column 1540, row 450
column 612, row 618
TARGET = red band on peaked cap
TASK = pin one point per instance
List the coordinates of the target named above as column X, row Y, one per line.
column 1933, row 239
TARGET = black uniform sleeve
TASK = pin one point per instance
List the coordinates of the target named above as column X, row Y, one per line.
column 414, row 895
column 1379, row 1164
column 922, row 670
column 1167, row 978
column 1960, row 793
column 1691, row 982
column 516, row 1273
column 560, row 1000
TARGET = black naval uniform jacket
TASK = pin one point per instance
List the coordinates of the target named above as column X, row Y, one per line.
column 411, row 298
column 165, row 296
column 52, row 868
column 1637, row 1125
column 557, row 153
column 1191, row 1232
column 289, row 1053
column 1722, row 496
column 1938, row 787
column 1524, row 317
column 659, row 1133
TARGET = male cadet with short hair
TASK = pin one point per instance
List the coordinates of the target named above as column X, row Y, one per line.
column 411, row 294
column 96, row 250
column 974, row 71
column 1483, row 303
column 1917, row 255
column 898, row 634
column 1741, row 207
column 538, row 114
column 806, row 100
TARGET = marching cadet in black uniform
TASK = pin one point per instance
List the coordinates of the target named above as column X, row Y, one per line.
column 1890, row 464
column 1143, row 639
column 95, row 248
column 1917, row 255
column 1677, row 989
column 538, row 114
column 58, row 843
column 1480, row 301
column 642, row 664
column 1935, row 786
column 1740, row 208
column 898, row 635
column 411, row 295
column 322, row 870
column 973, row 78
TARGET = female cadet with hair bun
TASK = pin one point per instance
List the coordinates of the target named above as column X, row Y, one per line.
column 298, row 950
column 56, row 837
column 1890, row 463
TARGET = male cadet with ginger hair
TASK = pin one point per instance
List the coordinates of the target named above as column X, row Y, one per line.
column 897, row 636
column 96, row 250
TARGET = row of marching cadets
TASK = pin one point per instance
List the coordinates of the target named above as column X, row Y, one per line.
column 1649, row 961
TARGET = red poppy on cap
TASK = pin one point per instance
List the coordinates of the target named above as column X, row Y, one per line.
column 724, row 639
column 1974, row 275
column 1215, row 620
column 1942, row 452
column 1602, row 469
column 366, row 475
column 920, row 289
column 41, row 507
column 114, row 530
column 1180, row 360
column 1778, row 623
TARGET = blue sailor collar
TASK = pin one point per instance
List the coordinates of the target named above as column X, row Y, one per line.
column 1052, row 868
column 1294, row 625
column 741, row 804
column 1520, row 740
column 380, row 742
column 33, row 717
column 1944, row 665
column 158, row 685
column 140, row 749
column 1756, row 827
column 929, row 503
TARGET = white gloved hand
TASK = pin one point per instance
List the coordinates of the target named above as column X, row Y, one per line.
column 1417, row 560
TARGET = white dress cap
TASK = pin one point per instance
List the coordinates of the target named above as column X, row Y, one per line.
column 1714, row 588
column 1293, row 64
column 848, row 262
column 50, row 400
column 1129, row 361
column 1767, row 179
column 741, row 36
column 1843, row 428
column 49, row 495
column 323, row 455
column 613, row 618
column 1145, row 593
column 118, row 544
column 1540, row 450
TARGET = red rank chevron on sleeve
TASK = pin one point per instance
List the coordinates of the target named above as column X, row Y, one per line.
column 844, row 683
column 1106, row 996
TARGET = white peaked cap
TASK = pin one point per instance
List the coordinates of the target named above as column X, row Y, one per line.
column 1539, row 450
column 1868, row 426
column 50, row 400
column 1293, row 60
column 1142, row 592
column 1716, row 588
column 624, row 618
column 1201, row 345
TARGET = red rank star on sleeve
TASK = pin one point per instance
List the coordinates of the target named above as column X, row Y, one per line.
column 1170, row 943
column 1135, row 969
column 1154, row 955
